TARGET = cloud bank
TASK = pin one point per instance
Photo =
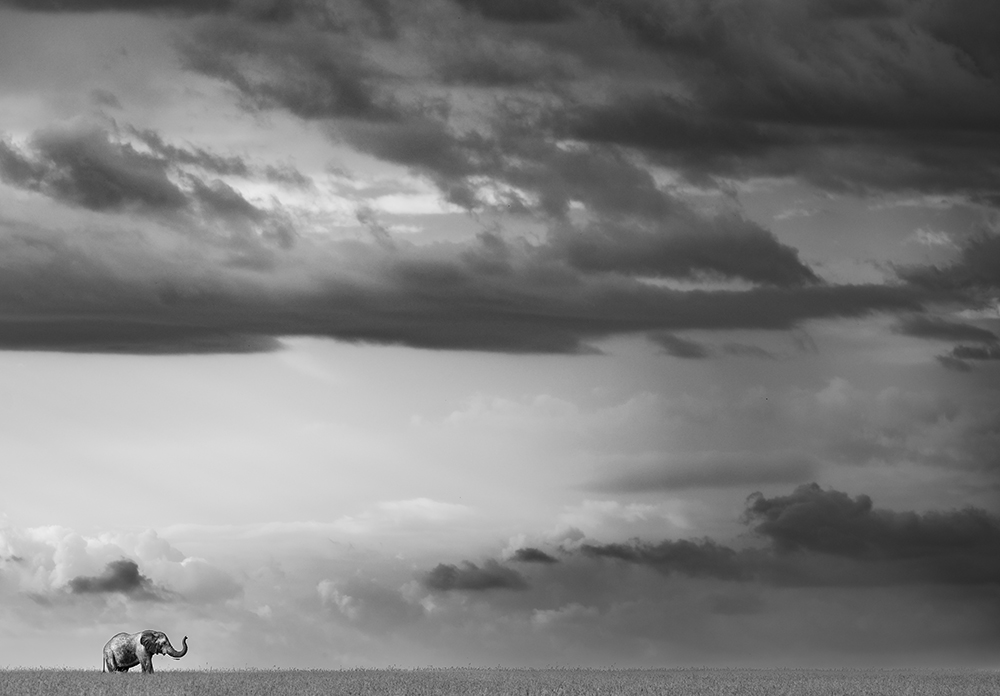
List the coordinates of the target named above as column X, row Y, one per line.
column 590, row 160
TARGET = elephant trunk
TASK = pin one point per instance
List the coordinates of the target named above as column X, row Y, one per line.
column 169, row 649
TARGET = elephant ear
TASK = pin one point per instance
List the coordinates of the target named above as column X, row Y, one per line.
column 148, row 640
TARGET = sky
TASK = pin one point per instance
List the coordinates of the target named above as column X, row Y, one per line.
column 366, row 333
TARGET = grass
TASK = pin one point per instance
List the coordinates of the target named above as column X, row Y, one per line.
column 506, row 682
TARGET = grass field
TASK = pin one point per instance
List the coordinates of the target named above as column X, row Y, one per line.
column 512, row 682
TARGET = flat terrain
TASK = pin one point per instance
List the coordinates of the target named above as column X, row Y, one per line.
column 472, row 682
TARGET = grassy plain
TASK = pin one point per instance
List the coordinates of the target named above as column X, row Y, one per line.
column 506, row 682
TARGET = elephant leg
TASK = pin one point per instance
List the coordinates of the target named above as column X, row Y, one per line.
column 147, row 666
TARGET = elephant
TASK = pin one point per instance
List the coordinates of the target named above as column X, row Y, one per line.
column 126, row 650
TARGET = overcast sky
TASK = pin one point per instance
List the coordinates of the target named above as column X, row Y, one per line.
column 348, row 333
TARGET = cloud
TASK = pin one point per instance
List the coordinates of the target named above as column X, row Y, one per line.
column 57, row 564
column 526, row 166
column 593, row 166
column 129, row 336
column 84, row 167
column 932, row 238
column 97, row 169
column 103, row 97
column 473, row 578
column 953, row 363
column 530, row 554
column 185, row 6
column 924, row 326
column 331, row 78
column 710, row 470
column 570, row 613
column 813, row 537
column 680, row 347
column 977, row 268
column 958, row 546
column 991, row 352
column 402, row 514
column 726, row 245
column 699, row 143
column 747, row 351
column 521, row 11
column 199, row 157
column 368, row 604
column 692, row 558
column 498, row 61
column 119, row 576
column 864, row 97
column 824, row 113
column 119, row 291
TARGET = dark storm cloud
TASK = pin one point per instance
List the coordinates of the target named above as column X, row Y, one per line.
column 499, row 61
column 641, row 228
column 958, row 546
column 680, row 347
column 827, row 84
column 858, row 97
column 726, row 245
column 866, row 97
column 532, row 555
column 518, row 11
column 119, row 576
column 712, row 470
column 991, row 352
column 610, row 225
column 924, row 326
column 228, row 165
column 313, row 74
column 969, row 30
column 379, row 232
column 481, row 296
column 692, row 558
column 222, row 200
column 812, row 537
column 194, row 156
column 681, row 134
column 854, row 9
column 93, row 168
column 972, row 278
column 287, row 174
column 976, row 269
column 187, row 6
column 86, row 168
column 473, row 578
column 136, row 337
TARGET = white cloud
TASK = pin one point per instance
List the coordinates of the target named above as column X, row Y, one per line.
column 789, row 213
column 43, row 560
column 397, row 513
column 429, row 203
column 613, row 519
column 931, row 238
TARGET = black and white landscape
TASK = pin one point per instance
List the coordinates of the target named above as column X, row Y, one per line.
column 349, row 333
